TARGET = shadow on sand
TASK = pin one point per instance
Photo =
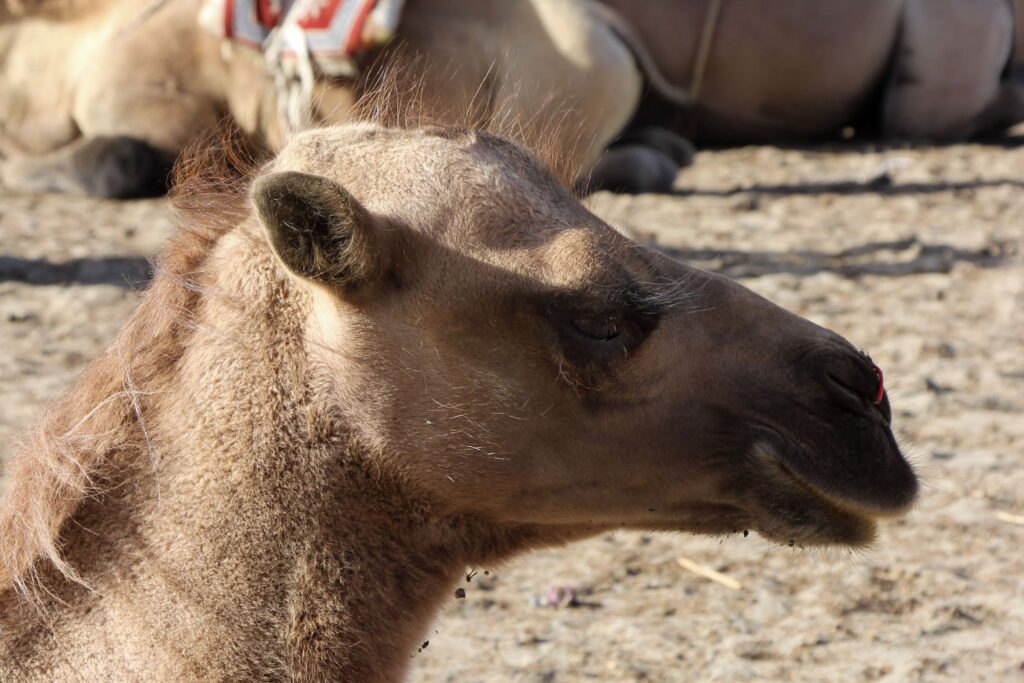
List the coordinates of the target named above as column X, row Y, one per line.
column 122, row 271
column 885, row 259
column 881, row 185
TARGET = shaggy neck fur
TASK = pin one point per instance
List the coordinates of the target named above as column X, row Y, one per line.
column 236, row 529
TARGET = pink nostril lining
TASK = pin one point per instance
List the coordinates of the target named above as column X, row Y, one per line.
column 881, row 384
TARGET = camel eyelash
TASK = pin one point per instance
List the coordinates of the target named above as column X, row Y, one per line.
column 597, row 343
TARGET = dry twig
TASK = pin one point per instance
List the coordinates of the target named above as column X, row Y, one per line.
column 709, row 573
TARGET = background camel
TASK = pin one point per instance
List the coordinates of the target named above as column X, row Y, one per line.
column 799, row 69
column 418, row 353
column 124, row 86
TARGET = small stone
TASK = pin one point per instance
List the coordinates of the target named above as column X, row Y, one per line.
column 460, row 593
column 880, row 181
column 751, row 203
column 935, row 387
column 20, row 317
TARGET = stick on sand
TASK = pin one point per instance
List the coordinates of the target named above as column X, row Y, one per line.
column 1012, row 519
column 709, row 573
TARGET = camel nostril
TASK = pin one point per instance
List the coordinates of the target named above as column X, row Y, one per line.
column 861, row 393
column 880, row 394
column 857, row 382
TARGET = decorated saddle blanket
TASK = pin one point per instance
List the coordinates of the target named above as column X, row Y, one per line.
column 327, row 33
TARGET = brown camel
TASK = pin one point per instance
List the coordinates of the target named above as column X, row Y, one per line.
column 765, row 71
column 414, row 353
column 100, row 96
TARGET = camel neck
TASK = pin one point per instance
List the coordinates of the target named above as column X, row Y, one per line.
column 299, row 562
column 241, row 531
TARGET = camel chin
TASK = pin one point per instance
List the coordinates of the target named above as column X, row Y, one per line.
column 793, row 509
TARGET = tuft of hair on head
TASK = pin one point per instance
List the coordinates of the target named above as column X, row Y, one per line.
column 210, row 181
column 393, row 93
column 69, row 454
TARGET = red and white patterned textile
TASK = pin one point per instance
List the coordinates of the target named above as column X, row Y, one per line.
column 300, row 38
column 330, row 32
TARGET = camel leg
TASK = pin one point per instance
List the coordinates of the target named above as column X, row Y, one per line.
column 633, row 169
column 947, row 69
column 604, row 97
column 145, row 96
column 640, row 160
column 127, row 143
column 663, row 140
column 118, row 167
column 127, row 146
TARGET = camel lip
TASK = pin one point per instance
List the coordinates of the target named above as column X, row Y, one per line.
column 830, row 526
column 789, row 508
column 845, row 504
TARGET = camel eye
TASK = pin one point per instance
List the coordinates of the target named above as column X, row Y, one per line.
column 600, row 329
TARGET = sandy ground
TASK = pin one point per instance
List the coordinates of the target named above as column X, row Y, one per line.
column 914, row 254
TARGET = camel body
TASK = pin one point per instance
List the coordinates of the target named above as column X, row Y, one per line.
column 393, row 355
column 803, row 69
column 100, row 96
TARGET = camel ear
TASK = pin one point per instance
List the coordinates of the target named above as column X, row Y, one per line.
column 317, row 229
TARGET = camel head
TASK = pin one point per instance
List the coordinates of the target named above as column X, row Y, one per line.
column 508, row 355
